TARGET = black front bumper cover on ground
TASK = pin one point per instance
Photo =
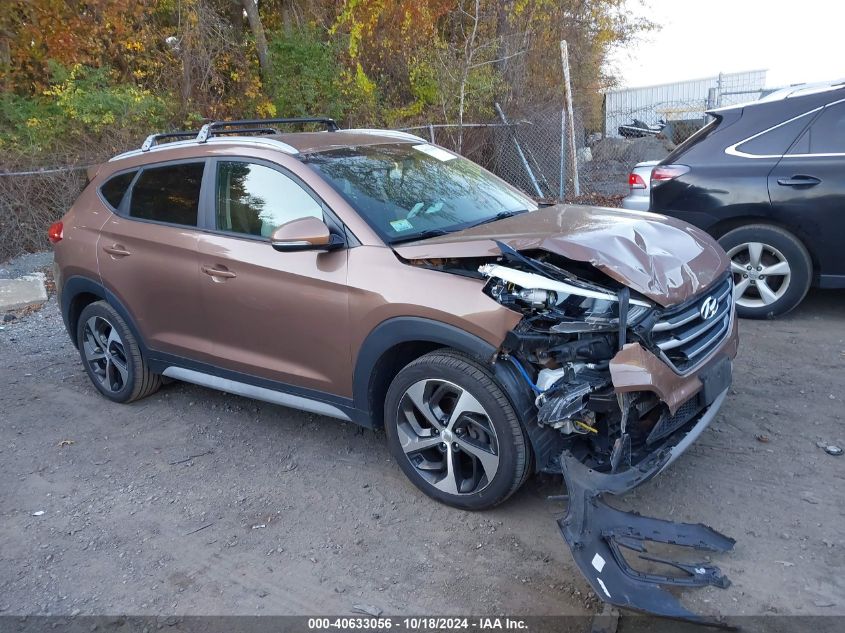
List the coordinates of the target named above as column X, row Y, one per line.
column 597, row 533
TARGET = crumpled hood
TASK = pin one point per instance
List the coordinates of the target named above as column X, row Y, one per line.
column 662, row 258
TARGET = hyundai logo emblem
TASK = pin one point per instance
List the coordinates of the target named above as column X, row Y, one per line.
column 709, row 308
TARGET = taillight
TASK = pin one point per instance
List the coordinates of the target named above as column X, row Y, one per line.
column 56, row 232
column 662, row 173
column 635, row 181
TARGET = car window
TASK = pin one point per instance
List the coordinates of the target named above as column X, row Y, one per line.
column 168, row 194
column 115, row 187
column 406, row 191
column 827, row 134
column 776, row 141
column 256, row 200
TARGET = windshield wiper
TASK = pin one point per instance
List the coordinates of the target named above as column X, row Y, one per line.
column 499, row 216
column 420, row 236
column 436, row 232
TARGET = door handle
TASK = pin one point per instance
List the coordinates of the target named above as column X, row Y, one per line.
column 116, row 250
column 799, row 181
column 218, row 272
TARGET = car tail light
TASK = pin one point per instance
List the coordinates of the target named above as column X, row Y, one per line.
column 662, row 173
column 56, row 232
column 635, row 181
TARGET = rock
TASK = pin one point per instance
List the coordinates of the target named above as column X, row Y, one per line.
column 367, row 609
column 23, row 292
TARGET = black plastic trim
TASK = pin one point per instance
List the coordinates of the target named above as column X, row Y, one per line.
column 831, row 281
column 399, row 330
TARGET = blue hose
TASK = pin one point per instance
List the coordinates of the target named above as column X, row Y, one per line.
column 525, row 375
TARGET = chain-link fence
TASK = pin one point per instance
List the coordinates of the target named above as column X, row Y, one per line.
column 525, row 152
column 29, row 202
column 533, row 152
column 531, row 149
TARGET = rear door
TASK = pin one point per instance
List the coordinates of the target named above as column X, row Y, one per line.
column 807, row 189
column 279, row 316
column 147, row 254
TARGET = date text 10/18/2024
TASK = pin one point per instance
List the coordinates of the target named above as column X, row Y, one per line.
column 417, row 623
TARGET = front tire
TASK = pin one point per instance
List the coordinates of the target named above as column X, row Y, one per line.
column 454, row 433
column 111, row 355
column 772, row 270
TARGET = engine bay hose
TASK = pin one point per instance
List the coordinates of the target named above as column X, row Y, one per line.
column 525, row 375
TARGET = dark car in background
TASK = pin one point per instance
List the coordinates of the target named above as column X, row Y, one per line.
column 767, row 179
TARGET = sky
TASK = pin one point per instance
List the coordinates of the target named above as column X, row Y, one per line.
column 798, row 41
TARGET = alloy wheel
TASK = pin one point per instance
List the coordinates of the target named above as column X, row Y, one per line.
column 105, row 354
column 761, row 274
column 448, row 437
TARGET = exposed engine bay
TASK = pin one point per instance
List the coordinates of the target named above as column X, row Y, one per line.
column 582, row 348
column 563, row 348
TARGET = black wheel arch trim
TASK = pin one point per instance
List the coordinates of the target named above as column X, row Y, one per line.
column 403, row 330
column 78, row 285
column 389, row 334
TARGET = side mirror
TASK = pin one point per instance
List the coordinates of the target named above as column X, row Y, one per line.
column 305, row 234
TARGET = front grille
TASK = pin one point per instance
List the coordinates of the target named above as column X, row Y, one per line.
column 684, row 337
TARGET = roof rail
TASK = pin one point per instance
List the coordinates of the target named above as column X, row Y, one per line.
column 153, row 139
column 220, row 127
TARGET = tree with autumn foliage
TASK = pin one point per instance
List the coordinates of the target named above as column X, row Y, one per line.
column 87, row 76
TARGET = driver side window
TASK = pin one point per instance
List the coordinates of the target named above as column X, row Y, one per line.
column 256, row 200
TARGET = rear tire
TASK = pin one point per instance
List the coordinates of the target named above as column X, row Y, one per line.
column 454, row 433
column 111, row 355
column 772, row 270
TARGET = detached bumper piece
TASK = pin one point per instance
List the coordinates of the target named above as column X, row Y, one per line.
column 597, row 535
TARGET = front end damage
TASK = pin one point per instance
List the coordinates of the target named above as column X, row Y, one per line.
column 627, row 385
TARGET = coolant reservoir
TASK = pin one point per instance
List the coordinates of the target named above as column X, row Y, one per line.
column 547, row 377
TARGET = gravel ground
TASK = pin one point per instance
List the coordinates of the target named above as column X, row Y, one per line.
column 25, row 264
column 198, row 502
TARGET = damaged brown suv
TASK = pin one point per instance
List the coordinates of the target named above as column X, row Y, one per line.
column 371, row 276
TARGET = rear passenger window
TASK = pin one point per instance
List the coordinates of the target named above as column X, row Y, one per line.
column 256, row 200
column 115, row 187
column 168, row 194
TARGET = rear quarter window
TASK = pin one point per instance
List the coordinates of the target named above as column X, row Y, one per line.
column 168, row 194
column 115, row 188
column 775, row 141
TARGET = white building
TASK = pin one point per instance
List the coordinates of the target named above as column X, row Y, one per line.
column 680, row 100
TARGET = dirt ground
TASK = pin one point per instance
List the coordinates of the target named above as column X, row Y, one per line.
column 199, row 502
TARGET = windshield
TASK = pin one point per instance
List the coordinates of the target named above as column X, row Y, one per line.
column 408, row 192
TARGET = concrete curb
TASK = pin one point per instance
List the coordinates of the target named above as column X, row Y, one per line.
column 22, row 292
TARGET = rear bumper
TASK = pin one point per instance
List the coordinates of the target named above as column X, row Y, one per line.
column 597, row 534
column 636, row 202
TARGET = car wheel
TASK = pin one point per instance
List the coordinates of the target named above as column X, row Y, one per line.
column 111, row 355
column 772, row 270
column 454, row 433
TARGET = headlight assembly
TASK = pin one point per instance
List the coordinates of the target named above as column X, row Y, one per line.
column 576, row 308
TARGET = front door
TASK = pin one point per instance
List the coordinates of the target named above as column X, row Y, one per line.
column 278, row 316
column 807, row 189
column 147, row 254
